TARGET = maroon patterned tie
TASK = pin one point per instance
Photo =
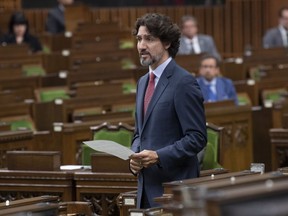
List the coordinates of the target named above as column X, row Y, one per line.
column 149, row 91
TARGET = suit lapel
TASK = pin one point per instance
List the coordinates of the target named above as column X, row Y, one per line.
column 161, row 86
column 219, row 89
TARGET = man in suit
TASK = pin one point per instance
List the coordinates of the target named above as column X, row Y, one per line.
column 278, row 36
column 214, row 88
column 193, row 43
column 170, row 127
column 55, row 22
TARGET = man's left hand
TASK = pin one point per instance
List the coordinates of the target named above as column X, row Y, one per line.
column 147, row 157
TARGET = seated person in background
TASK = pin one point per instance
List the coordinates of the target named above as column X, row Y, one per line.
column 55, row 22
column 278, row 36
column 214, row 88
column 193, row 43
column 19, row 33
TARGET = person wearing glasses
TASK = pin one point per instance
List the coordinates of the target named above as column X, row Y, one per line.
column 214, row 87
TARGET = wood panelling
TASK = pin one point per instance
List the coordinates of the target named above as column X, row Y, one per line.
column 234, row 25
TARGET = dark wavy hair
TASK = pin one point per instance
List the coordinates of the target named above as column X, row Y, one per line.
column 18, row 18
column 160, row 26
column 209, row 56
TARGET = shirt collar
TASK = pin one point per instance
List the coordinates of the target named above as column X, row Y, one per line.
column 193, row 40
column 212, row 82
column 282, row 29
column 159, row 70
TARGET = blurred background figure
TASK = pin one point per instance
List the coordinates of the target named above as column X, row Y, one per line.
column 18, row 33
column 213, row 86
column 55, row 22
column 278, row 36
column 193, row 43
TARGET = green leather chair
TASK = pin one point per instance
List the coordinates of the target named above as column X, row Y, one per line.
column 273, row 95
column 211, row 153
column 20, row 122
column 33, row 70
column 121, row 133
column 243, row 99
column 47, row 95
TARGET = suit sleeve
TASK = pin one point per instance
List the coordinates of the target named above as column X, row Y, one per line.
column 214, row 50
column 136, row 139
column 268, row 39
column 188, row 102
column 51, row 24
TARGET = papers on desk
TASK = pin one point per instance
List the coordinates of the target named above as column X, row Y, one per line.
column 111, row 148
column 75, row 167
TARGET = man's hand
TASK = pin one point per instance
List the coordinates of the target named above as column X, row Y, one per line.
column 145, row 158
column 135, row 165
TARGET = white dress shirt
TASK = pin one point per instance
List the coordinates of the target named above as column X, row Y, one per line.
column 159, row 70
column 195, row 42
column 212, row 84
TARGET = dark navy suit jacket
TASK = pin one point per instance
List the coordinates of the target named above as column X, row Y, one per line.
column 224, row 88
column 174, row 126
column 273, row 38
column 55, row 22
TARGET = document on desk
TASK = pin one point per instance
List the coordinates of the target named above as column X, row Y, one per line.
column 110, row 147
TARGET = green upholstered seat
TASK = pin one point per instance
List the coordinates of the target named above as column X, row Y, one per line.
column 22, row 123
column 50, row 95
column 126, row 44
column 46, row 49
column 129, row 88
column 210, row 160
column 121, row 136
column 19, row 122
column 243, row 99
column 274, row 95
column 33, row 70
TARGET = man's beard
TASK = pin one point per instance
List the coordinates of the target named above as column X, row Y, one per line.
column 149, row 61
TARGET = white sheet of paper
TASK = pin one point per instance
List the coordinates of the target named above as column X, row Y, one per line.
column 110, row 147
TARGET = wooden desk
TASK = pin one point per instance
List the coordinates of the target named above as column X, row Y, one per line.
column 24, row 184
column 237, row 151
column 102, row 189
column 14, row 140
column 29, row 201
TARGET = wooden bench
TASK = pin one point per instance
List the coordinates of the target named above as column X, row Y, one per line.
column 23, row 184
column 62, row 110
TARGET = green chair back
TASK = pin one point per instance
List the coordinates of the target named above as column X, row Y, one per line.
column 128, row 88
column 243, row 99
column 121, row 136
column 210, row 160
column 50, row 95
column 33, row 70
